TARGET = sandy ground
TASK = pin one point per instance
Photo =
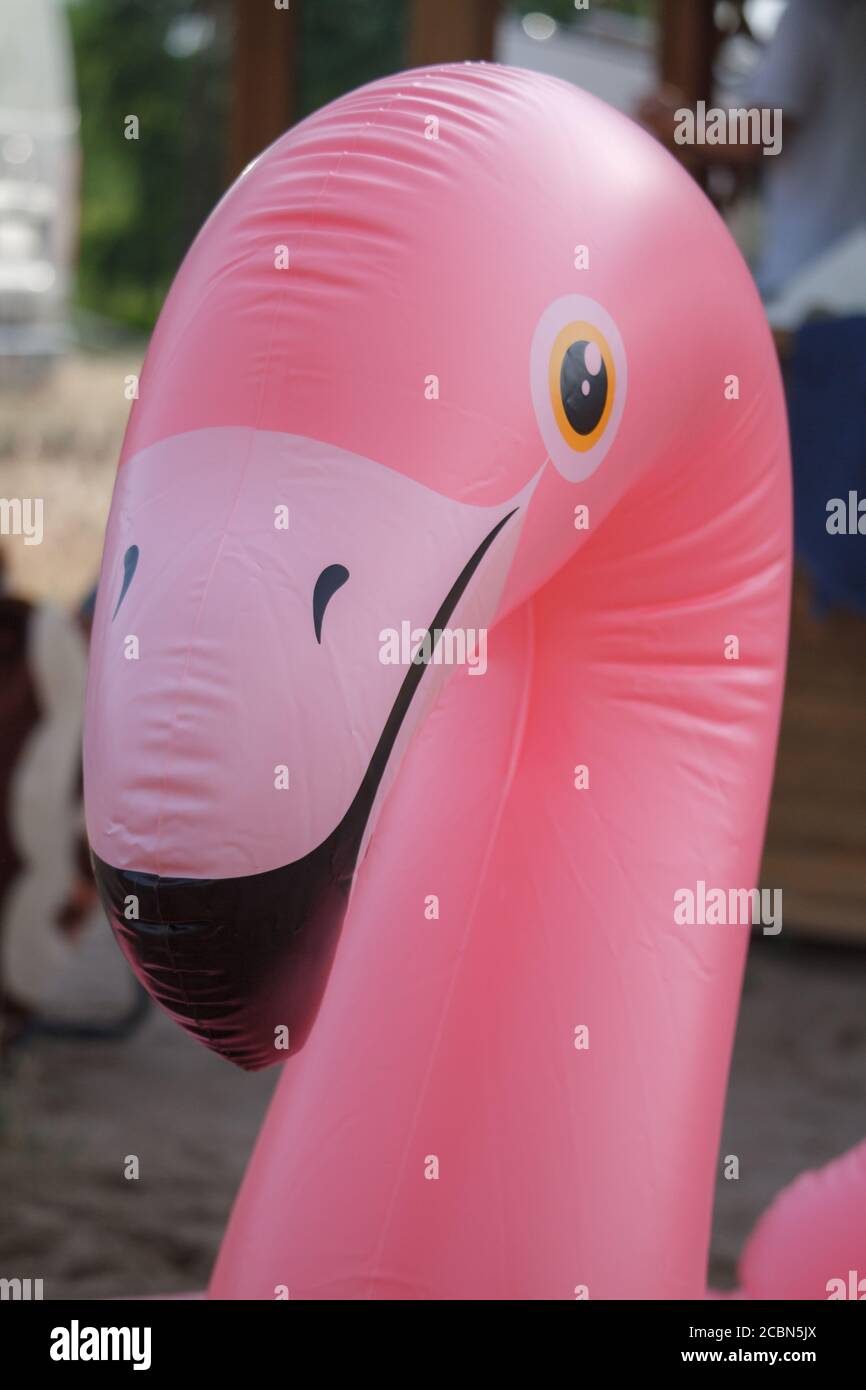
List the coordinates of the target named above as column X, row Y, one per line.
column 71, row 1113
column 60, row 442
column 798, row 1080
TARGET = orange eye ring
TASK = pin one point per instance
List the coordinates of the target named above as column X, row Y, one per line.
column 578, row 378
column 577, row 348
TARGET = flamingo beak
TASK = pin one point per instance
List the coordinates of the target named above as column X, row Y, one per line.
column 242, row 962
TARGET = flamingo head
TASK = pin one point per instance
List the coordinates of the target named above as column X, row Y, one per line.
column 394, row 389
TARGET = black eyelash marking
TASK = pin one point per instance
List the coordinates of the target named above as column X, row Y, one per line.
column 327, row 584
column 130, row 561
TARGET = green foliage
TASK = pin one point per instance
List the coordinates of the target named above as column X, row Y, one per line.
column 143, row 199
column 563, row 11
column 345, row 43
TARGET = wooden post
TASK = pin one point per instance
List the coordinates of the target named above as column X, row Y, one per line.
column 264, row 77
column 688, row 44
column 451, row 31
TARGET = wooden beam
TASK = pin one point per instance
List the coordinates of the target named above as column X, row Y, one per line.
column 688, row 40
column 264, row 77
column 817, row 828
column 451, row 31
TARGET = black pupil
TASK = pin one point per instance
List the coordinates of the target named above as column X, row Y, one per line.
column 583, row 395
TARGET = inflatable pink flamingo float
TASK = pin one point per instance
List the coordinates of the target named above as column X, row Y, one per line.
column 465, row 352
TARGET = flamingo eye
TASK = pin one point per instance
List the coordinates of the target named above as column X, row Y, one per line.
column 582, row 384
column 578, row 382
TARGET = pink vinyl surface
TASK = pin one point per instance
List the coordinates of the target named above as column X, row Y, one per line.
column 439, row 1135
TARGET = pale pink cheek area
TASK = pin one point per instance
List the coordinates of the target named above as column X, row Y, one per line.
column 230, row 683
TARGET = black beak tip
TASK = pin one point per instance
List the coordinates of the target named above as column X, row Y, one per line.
column 242, row 963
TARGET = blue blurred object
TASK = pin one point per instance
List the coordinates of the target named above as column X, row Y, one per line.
column 826, row 382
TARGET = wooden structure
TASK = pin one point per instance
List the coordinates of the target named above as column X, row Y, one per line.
column 451, row 32
column 688, row 39
column 816, row 838
column 264, row 77
column 816, row 842
column 267, row 43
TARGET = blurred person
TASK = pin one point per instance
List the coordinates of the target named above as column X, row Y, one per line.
column 46, row 891
column 814, row 192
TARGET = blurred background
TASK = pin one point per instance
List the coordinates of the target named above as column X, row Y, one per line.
column 121, row 123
